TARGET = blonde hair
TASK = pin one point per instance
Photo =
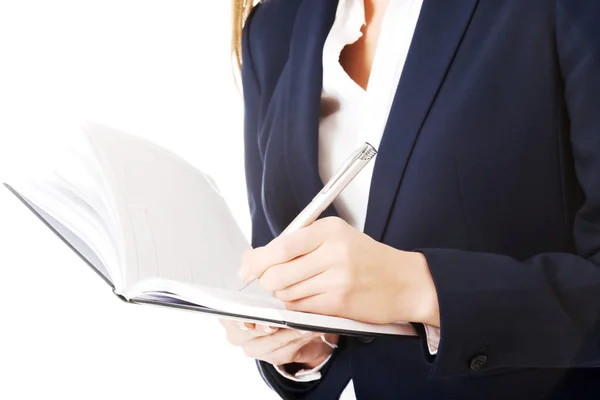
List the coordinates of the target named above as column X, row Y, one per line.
column 240, row 9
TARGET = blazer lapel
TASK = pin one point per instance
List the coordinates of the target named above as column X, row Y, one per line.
column 291, row 176
column 313, row 23
column 438, row 33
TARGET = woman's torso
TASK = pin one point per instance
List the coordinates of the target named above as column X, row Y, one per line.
column 475, row 156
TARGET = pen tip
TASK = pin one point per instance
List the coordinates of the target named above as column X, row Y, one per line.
column 244, row 285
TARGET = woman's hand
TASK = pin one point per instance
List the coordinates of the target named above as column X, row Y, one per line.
column 331, row 268
column 279, row 346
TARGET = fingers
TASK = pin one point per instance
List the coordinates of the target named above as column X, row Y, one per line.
column 291, row 273
column 257, row 330
column 246, row 326
column 312, row 286
column 282, row 249
column 303, row 352
column 239, row 333
column 263, row 330
column 280, row 347
column 325, row 303
column 300, row 350
column 260, row 347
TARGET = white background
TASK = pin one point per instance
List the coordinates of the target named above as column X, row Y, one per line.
column 156, row 68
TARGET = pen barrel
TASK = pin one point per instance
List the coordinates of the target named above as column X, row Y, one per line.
column 338, row 182
column 306, row 217
column 326, row 196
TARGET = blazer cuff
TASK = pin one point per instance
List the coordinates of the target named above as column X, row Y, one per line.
column 303, row 375
column 336, row 371
column 432, row 336
column 461, row 347
column 284, row 387
column 495, row 312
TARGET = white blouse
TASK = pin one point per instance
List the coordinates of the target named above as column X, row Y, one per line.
column 351, row 115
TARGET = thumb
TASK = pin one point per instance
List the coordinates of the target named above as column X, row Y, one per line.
column 313, row 353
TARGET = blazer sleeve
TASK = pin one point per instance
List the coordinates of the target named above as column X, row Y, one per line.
column 498, row 312
column 261, row 233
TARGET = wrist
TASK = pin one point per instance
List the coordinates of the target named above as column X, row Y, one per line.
column 327, row 343
column 422, row 294
column 316, row 362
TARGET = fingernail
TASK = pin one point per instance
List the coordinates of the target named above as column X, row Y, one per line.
column 243, row 272
column 269, row 329
column 305, row 332
column 243, row 326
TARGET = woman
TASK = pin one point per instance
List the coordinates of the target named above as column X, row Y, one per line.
column 480, row 220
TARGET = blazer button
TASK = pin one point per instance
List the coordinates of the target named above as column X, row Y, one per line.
column 478, row 362
column 366, row 339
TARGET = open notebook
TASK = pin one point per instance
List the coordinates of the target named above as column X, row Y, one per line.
column 157, row 231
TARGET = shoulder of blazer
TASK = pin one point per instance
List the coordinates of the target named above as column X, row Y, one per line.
column 269, row 31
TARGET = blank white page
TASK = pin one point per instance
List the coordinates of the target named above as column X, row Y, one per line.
column 176, row 226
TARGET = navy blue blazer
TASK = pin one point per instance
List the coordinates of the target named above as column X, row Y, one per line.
column 489, row 165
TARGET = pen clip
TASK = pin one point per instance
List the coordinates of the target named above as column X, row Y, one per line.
column 365, row 152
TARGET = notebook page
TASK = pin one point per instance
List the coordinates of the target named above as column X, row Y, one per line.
column 74, row 240
column 259, row 306
column 79, row 218
column 176, row 226
column 65, row 180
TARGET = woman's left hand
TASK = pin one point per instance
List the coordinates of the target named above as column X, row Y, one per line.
column 333, row 269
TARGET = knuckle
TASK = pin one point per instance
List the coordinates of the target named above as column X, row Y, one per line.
column 328, row 223
column 285, row 248
column 322, row 222
column 347, row 278
column 336, row 223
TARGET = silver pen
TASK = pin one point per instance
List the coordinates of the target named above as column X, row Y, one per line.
column 338, row 182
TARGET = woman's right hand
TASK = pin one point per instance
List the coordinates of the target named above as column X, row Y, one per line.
column 279, row 346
